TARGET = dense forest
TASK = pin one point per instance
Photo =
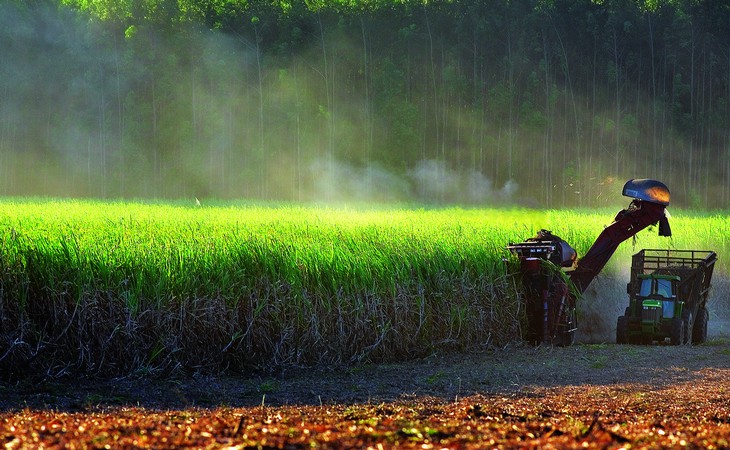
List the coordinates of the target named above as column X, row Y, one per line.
column 536, row 102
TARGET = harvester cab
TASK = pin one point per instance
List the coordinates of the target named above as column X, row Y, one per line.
column 552, row 276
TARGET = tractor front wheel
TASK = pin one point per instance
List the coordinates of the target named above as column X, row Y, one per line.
column 677, row 334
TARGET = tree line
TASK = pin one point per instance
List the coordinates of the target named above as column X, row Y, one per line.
column 538, row 102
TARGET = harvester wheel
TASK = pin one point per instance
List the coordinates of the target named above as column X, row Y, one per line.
column 677, row 334
column 699, row 332
column 622, row 327
column 565, row 339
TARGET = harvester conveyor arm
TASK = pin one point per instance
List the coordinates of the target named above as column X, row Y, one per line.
column 628, row 222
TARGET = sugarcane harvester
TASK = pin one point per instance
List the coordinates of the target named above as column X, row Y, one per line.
column 553, row 278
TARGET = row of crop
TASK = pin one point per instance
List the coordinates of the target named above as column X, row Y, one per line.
column 112, row 288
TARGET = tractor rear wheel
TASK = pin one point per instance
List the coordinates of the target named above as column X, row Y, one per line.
column 699, row 332
column 677, row 334
column 689, row 324
column 622, row 330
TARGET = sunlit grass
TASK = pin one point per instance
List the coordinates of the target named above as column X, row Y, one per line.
column 150, row 251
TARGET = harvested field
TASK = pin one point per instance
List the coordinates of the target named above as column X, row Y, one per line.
column 593, row 396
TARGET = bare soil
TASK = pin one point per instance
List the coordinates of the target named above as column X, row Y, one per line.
column 584, row 396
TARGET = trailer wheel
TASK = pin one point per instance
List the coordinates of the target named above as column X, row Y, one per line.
column 622, row 327
column 677, row 334
column 699, row 332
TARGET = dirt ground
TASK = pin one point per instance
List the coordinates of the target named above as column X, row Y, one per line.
column 585, row 396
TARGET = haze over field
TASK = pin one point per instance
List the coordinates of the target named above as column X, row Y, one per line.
column 536, row 103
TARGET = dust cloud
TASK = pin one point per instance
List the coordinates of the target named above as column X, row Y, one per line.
column 601, row 304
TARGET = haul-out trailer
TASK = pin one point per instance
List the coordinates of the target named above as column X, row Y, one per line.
column 553, row 278
column 668, row 293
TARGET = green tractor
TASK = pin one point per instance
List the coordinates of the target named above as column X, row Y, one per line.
column 667, row 297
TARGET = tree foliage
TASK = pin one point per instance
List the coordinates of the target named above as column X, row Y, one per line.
column 256, row 98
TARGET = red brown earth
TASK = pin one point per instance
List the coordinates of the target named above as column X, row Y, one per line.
column 603, row 395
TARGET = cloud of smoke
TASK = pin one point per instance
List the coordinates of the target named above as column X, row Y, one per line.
column 430, row 181
column 434, row 180
column 342, row 181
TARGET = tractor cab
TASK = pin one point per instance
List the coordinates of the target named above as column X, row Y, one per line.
column 657, row 296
